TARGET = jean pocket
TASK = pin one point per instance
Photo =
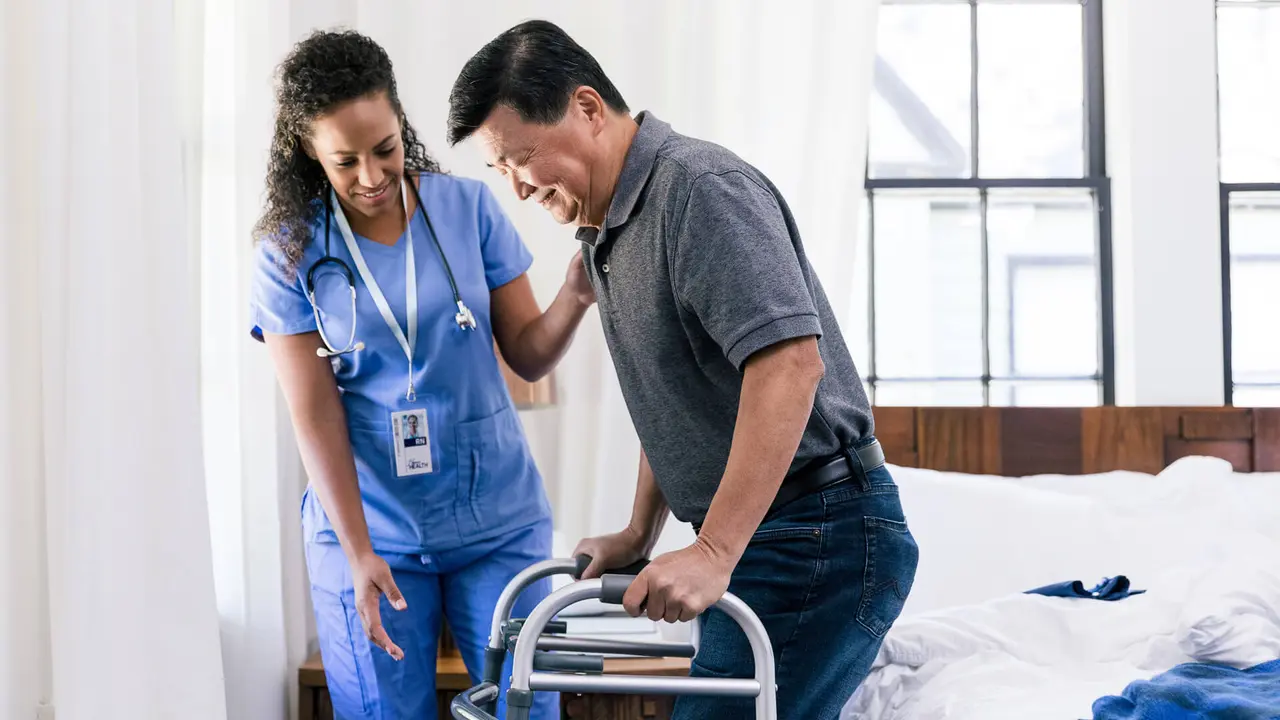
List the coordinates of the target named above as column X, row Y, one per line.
column 892, row 556
column 790, row 532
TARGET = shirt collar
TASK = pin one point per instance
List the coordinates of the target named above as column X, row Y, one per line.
column 635, row 173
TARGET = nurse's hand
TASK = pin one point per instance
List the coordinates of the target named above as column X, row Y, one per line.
column 373, row 579
column 679, row 585
column 615, row 550
column 576, row 280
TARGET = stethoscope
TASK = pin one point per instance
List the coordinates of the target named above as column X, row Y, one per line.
column 464, row 318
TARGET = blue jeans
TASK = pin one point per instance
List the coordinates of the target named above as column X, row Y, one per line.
column 828, row 575
column 461, row 585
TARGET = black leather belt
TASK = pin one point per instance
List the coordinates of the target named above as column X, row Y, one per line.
column 822, row 473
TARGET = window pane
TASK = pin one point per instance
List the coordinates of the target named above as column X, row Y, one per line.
column 1246, row 396
column 928, row 293
column 1255, row 332
column 1255, row 286
column 1248, row 114
column 919, row 122
column 1030, row 90
column 1044, row 283
column 1083, row 393
column 966, row 393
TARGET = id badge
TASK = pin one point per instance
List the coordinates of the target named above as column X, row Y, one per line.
column 412, row 441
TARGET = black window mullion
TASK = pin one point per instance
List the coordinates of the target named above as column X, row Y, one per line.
column 1106, row 289
column 1094, row 88
column 871, row 290
column 986, row 297
column 973, row 89
column 1224, row 220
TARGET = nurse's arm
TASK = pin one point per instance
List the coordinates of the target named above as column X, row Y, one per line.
column 320, row 425
column 533, row 341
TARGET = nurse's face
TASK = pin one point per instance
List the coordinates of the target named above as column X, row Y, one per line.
column 360, row 147
column 558, row 166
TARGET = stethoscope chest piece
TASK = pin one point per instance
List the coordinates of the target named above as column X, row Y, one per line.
column 464, row 318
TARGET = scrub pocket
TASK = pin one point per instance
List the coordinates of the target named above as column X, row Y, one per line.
column 498, row 484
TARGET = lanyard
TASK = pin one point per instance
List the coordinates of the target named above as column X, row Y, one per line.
column 410, row 284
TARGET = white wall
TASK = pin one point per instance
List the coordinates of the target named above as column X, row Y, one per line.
column 1162, row 155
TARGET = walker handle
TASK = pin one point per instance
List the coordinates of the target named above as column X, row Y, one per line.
column 613, row 587
column 633, row 569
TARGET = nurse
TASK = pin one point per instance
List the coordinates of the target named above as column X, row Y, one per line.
column 381, row 284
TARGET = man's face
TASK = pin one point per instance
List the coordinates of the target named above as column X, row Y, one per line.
column 552, row 164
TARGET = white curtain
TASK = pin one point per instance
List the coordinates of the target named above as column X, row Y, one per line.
column 150, row 564
column 105, row 579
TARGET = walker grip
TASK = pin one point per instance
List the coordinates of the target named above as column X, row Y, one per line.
column 613, row 587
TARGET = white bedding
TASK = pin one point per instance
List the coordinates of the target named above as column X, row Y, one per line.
column 1203, row 541
column 1030, row 656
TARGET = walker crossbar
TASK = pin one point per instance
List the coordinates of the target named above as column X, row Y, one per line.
column 502, row 629
column 478, row 702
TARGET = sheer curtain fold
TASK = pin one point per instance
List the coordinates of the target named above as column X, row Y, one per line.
column 113, row 611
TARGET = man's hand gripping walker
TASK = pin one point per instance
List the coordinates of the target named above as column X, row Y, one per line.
column 545, row 659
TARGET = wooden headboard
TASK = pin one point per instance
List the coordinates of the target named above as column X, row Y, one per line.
column 1071, row 441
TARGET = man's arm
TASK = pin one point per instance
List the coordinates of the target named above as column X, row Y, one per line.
column 778, row 387
column 635, row 541
column 736, row 266
column 649, row 512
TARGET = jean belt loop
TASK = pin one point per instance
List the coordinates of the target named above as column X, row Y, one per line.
column 856, row 469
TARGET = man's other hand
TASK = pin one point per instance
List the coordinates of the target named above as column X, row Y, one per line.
column 609, row 552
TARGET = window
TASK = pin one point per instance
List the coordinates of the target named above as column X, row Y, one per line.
column 1249, row 167
column 987, row 240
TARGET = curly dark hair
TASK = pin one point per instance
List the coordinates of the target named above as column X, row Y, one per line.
column 322, row 71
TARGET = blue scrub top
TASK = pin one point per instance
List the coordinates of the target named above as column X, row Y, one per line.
column 483, row 481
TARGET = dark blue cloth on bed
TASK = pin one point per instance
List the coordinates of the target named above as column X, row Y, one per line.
column 1112, row 588
column 1198, row 691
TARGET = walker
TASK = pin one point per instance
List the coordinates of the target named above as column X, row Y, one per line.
column 556, row 662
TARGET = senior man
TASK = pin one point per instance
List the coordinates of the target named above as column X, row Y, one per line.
column 752, row 419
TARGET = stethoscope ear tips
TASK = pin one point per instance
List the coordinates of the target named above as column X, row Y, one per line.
column 326, row 352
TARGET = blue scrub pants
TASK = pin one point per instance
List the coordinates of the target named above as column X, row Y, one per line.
column 461, row 585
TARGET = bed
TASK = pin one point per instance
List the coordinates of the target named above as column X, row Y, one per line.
column 1183, row 503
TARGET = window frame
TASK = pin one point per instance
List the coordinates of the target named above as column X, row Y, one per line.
column 1225, row 192
column 1094, row 179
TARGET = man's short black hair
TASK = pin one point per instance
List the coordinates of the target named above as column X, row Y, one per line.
column 532, row 68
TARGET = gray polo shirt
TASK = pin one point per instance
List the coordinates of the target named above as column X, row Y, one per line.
column 699, row 264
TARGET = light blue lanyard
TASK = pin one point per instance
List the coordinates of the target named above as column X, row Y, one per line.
column 410, row 284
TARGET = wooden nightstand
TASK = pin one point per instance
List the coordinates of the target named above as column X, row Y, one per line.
column 452, row 678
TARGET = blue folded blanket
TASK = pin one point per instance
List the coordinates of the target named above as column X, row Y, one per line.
column 1112, row 588
column 1198, row 691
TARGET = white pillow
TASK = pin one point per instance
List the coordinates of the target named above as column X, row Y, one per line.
column 985, row 536
column 982, row 537
column 1190, row 485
